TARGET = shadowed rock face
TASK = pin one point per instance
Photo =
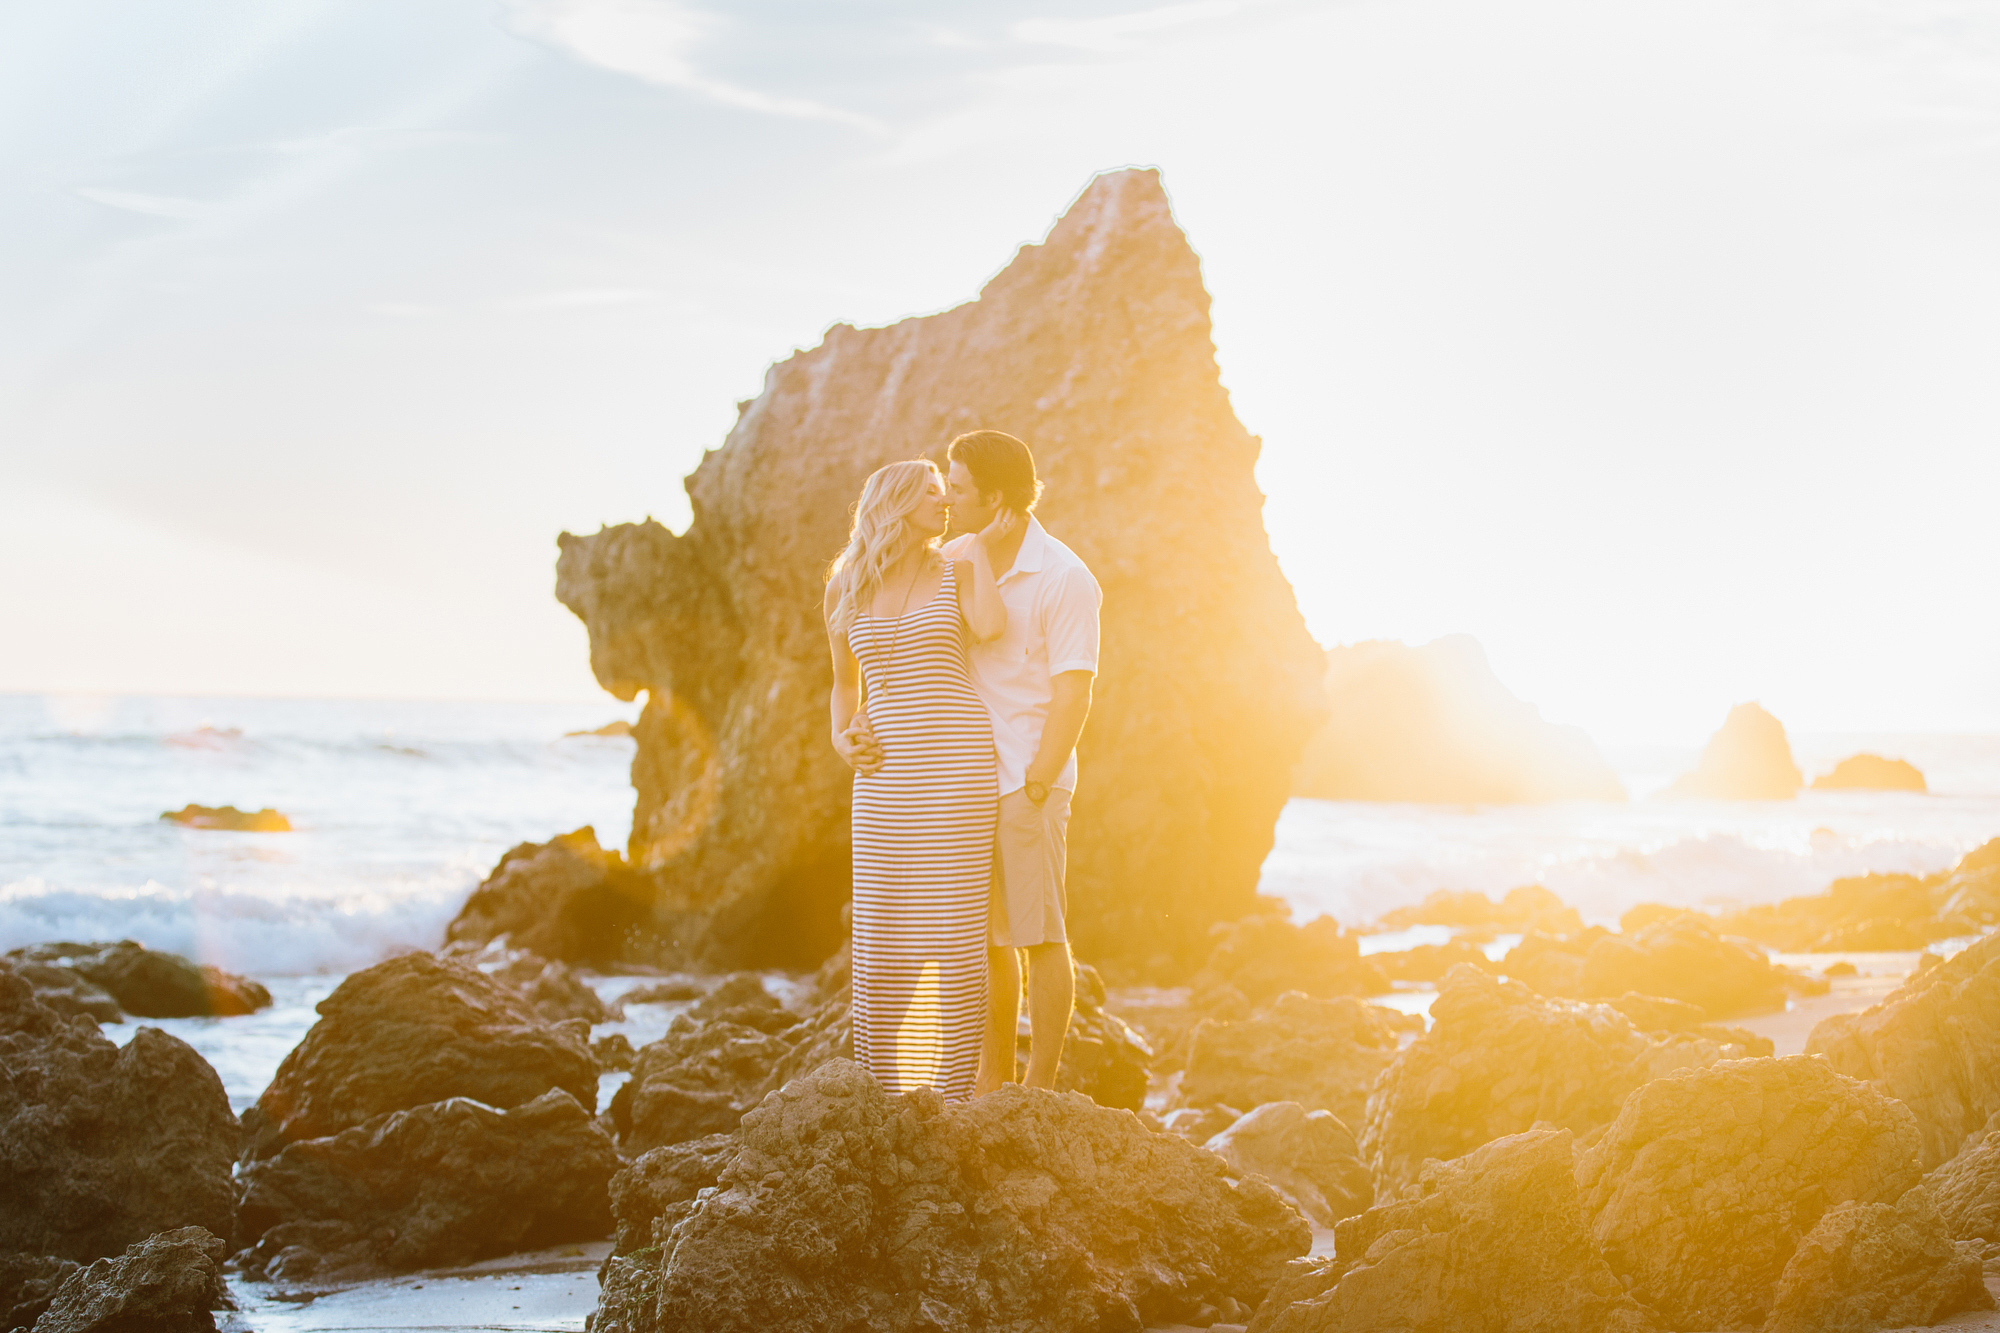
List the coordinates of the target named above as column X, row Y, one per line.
column 101, row 1146
column 847, row 1208
column 1094, row 347
column 1870, row 1266
column 149, row 983
column 1748, row 760
column 167, row 1283
column 651, row 1196
column 28, row 1282
column 1704, row 1185
column 1307, row 1156
column 1930, row 1045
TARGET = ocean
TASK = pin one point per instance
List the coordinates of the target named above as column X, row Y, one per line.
column 400, row 809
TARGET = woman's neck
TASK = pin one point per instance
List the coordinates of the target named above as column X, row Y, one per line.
column 906, row 566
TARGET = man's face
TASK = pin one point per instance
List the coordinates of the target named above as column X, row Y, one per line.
column 970, row 511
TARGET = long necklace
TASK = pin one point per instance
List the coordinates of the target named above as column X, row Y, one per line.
column 896, row 627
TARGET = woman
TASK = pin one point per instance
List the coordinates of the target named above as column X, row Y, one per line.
column 925, row 791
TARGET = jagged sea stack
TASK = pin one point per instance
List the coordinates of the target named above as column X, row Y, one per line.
column 1093, row 346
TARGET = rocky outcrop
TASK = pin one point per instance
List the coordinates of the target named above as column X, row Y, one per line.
column 697, row 1080
column 1499, row 1060
column 229, row 817
column 28, row 1282
column 1871, row 772
column 101, row 1146
column 1930, row 1045
column 167, row 1283
column 651, row 1196
column 1322, row 1054
column 441, row 1184
column 1872, row 1266
column 149, row 983
column 414, row 1030
column 1095, row 348
column 1869, row 912
column 1703, row 1186
column 566, row 899
column 1307, row 1156
column 848, row 1208
column 1434, row 724
column 66, row 990
column 1967, row 1188
column 553, row 991
column 1429, row 962
column 1264, row 956
column 1530, row 909
column 1494, row 1241
column 1684, row 959
column 1652, row 1013
column 1748, row 760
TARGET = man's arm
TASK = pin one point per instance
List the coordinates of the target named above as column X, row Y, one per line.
column 1069, row 705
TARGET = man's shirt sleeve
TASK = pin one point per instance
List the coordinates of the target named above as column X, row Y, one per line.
column 1070, row 621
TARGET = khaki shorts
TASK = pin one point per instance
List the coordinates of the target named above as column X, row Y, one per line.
column 1030, row 852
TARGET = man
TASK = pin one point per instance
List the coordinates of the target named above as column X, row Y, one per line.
column 1035, row 680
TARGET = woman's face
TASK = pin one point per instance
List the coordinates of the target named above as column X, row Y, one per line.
column 931, row 515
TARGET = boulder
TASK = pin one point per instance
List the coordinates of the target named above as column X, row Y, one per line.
column 1095, row 348
column 1307, row 1156
column 1551, row 966
column 28, row 1282
column 414, row 1030
column 1322, row 1054
column 1871, row 1266
column 566, row 899
column 1871, row 772
column 1199, row 1124
column 1880, row 911
column 149, row 983
column 1529, row 909
column 1748, row 760
column 696, row 1080
column 229, row 817
column 166, row 1283
column 1021, row 1211
column 1684, row 959
column 553, row 991
column 1494, row 1241
column 1653, row 1013
column 1264, row 956
column 613, row 1053
column 1703, row 1186
column 102, row 1146
column 1499, row 1060
column 66, row 990
column 1967, row 1188
column 1429, row 962
column 1930, row 1045
column 651, row 1195
column 1433, row 723
column 437, row 1185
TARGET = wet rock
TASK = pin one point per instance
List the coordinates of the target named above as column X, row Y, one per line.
column 1703, row 1186
column 652, row 1195
column 66, row 990
column 566, row 899
column 671, row 991
column 1309, row 1157
column 1550, row 966
column 1499, row 1060
column 411, row 1031
column 1684, row 959
column 553, row 991
column 148, row 983
column 1199, row 1124
column 1967, row 1188
column 1653, row 1013
column 28, row 1282
column 167, row 1283
column 1530, row 909
column 613, row 1053
column 101, row 1146
column 1871, row 772
column 1871, row 1266
column 1095, row 348
column 1264, row 956
column 229, row 817
column 1493, row 1241
column 742, row 998
column 1429, row 962
column 697, row 1080
column 1748, row 760
column 1322, row 1054
column 442, row 1184
column 1023, row 1210
column 1930, row 1045
column 1433, row 723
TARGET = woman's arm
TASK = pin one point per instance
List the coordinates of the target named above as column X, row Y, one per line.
column 852, row 739
column 978, row 593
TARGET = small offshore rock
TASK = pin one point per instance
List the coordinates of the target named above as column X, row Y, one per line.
column 167, row 1283
column 229, row 817
column 613, row 1053
column 1309, row 1157
column 1529, row 909
column 1871, row 1266
column 1683, row 958
column 671, row 991
column 1199, row 1124
column 1749, row 759
column 553, row 991
column 1871, row 772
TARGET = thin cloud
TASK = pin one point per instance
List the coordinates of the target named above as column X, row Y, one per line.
column 1116, row 32
column 152, row 205
column 583, row 298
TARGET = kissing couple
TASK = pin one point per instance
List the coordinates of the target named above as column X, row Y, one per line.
column 961, row 679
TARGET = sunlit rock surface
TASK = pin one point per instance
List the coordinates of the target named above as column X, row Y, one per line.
column 1748, row 760
column 1527, row 908
column 847, row 1208
column 1264, row 956
column 1433, row 723
column 1967, row 1188
column 166, row 1283
column 1707, row 1180
column 1871, row 772
column 102, row 1145
column 1870, row 1266
column 1095, row 348
column 1494, row 1241
column 1932, row 1044
column 1307, row 1156
column 1684, row 959
column 1880, row 911
column 1322, row 1054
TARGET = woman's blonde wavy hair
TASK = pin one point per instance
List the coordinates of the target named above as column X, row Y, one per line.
column 879, row 536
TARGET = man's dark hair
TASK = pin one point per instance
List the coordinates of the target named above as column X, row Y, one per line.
column 999, row 462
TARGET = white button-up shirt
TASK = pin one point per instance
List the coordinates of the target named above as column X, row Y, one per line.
column 1052, row 602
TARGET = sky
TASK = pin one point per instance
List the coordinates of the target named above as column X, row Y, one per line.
column 1655, row 344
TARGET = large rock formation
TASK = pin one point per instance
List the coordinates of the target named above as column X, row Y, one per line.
column 1871, row 772
column 101, row 1146
column 1748, row 760
column 846, row 1208
column 1704, row 1185
column 414, row 1030
column 1931, row 1045
column 1494, row 1241
column 1435, row 724
column 1094, row 347
column 1872, row 1266
column 1499, row 1060
column 442, row 1184
column 1323, row 1054
column 566, row 899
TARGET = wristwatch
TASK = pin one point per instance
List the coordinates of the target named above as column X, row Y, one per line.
column 1037, row 791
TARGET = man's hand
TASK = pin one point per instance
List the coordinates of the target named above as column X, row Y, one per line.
column 1005, row 521
column 858, row 746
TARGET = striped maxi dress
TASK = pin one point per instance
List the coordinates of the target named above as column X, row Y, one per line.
column 923, row 828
